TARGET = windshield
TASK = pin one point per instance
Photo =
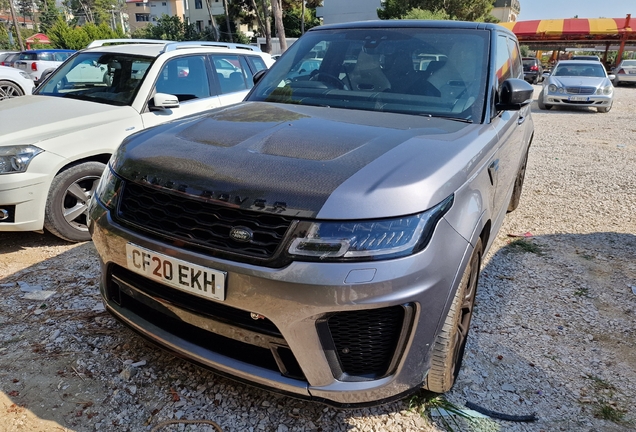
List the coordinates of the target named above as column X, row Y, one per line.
column 419, row 71
column 629, row 63
column 580, row 70
column 104, row 78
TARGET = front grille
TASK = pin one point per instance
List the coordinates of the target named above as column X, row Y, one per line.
column 366, row 341
column 198, row 223
column 580, row 90
column 214, row 310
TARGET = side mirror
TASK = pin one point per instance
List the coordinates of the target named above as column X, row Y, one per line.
column 514, row 94
column 163, row 101
column 259, row 75
column 611, row 77
column 546, row 74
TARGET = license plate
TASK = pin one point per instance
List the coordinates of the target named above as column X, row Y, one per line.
column 578, row 98
column 182, row 275
column 631, row 72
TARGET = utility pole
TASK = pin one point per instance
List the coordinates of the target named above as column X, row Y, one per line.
column 227, row 20
column 15, row 25
column 302, row 20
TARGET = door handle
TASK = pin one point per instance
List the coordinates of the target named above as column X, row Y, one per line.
column 493, row 168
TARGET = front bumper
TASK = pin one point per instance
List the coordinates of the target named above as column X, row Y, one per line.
column 296, row 304
column 625, row 78
column 22, row 201
column 565, row 99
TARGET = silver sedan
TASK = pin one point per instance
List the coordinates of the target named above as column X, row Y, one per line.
column 578, row 83
column 625, row 72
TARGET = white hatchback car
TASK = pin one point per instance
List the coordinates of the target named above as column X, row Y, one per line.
column 55, row 143
column 14, row 83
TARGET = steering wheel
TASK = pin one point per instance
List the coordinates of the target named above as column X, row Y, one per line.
column 328, row 79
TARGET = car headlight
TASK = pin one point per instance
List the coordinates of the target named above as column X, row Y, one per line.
column 604, row 90
column 16, row 159
column 108, row 188
column 552, row 88
column 367, row 239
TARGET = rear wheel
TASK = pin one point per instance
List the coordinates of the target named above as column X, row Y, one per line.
column 9, row 90
column 448, row 351
column 66, row 212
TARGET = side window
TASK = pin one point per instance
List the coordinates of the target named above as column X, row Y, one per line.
column 257, row 63
column 515, row 57
column 230, row 73
column 184, row 77
column 503, row 59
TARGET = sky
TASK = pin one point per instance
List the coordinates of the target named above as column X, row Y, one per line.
column 556, row 9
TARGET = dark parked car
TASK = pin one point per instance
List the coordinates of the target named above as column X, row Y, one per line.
column 8, row 59
column 532, row 70
column 324, row 237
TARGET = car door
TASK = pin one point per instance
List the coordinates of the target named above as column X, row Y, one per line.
column 187, row 78
column 510, row 127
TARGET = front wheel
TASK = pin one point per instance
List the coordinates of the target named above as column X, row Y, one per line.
column 66, row 213
column 542, row 105
column 604, row 109
column 9, row 90
column 448, row 351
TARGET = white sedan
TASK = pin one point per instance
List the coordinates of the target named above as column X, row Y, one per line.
column 14, row 83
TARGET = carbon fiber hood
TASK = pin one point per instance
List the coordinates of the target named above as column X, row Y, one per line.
column 283, row 158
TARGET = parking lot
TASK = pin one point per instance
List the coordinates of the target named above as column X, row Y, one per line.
column 553, row 333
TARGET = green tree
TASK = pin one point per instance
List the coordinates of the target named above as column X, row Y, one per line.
column 421, row 14
column 462, row 10
column 168, row 28
column 292, row 19
column 49, row 13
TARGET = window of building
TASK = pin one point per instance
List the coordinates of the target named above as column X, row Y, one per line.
column 164, row 4
column 198, row 4
column 142, row 17
column 139, row 4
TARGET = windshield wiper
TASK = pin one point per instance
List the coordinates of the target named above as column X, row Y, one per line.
column 459, row 119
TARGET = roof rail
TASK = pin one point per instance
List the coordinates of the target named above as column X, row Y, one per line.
column 192, row 44
column 102, row 42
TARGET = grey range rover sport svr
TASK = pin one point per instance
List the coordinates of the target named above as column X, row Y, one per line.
column 323, row 238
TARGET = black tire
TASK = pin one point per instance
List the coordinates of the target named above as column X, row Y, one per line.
column 66, row 210
column 9, row 90
column 542, row 105
column 448, row 351
column 516, row 192
column 604, row 110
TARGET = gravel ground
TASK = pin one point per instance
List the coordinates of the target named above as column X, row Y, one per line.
column 553, row 333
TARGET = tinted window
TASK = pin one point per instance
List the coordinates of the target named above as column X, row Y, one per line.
column 257, row 63
column 403, row 70
column 230, row 73
column 184, row 77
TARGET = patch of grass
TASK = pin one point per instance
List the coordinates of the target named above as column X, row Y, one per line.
column 600, row 383
column 426, row 403
column 526, row 246
column 606, row 411
column 582, row 292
